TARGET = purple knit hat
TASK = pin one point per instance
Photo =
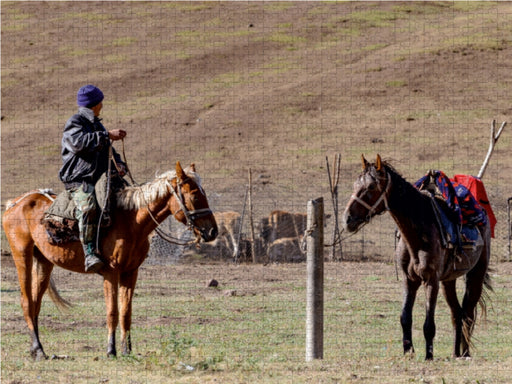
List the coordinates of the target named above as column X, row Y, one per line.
column 89, row 96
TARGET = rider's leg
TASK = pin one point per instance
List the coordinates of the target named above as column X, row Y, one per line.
column 86, row 214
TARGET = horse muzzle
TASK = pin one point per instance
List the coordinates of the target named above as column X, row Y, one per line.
column 352, row 224
column 210, row 234
column 207, row 234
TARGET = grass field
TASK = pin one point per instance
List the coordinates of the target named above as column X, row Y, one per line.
column 251, row 329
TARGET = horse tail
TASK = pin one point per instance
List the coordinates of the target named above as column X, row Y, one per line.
column 487, row 288
column 485, row 296
column 62, row 304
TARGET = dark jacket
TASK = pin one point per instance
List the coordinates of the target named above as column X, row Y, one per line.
column 85, row 149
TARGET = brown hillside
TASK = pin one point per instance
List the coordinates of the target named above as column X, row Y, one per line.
column 275, row 87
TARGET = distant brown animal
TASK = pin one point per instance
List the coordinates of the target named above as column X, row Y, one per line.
column 286, row 250
column 281, row 224
column 139, row 211
column 228, row 224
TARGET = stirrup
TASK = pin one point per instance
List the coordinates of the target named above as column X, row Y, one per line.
column 93, row 263
column 106, row 221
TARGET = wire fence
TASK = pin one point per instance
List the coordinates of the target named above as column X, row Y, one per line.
column 375, row 242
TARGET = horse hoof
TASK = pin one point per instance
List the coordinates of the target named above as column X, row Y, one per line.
column 39, row 355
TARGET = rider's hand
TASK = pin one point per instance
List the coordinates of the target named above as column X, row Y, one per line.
column 121, row 170
column 116, row 134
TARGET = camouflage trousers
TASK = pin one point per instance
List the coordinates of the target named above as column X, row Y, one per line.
column 87, row 215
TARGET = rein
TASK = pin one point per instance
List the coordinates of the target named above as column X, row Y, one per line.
column 191, row 216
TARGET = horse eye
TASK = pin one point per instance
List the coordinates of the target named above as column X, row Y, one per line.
column 372, row 187
column 193, row 196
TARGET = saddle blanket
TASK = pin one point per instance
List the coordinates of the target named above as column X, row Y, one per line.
column 464, row 211
column 477, row 189
column 59, row 219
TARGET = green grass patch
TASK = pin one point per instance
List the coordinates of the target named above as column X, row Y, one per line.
column 374, row 47
column 123, row 41
column 16, row 27
column 89, row 17
column 74, row 51
column 277, row 6
column 374, row 18
column 186, row 7
column 115, row 58
column 49, row 150
column 396, row 83
column 283, row 38
column 188, row 34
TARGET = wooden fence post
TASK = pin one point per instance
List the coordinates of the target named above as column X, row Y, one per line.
column 251, row 221
column 509, row 203
column 315, row 280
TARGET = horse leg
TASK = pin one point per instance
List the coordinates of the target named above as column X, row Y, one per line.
column 236, row 252
column 429, row 327
column 23, row 260
column 111, row 289
column 450, row 294
column 476, row 280
column 474, row 287
column 41, row 273
column 410, row 290
column 126, row 289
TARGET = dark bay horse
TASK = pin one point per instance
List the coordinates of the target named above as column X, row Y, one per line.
column 420, row 253
column 139, row 211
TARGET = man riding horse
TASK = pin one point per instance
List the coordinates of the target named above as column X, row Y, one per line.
column 85, row 157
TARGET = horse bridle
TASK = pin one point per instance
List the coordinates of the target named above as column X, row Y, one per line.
column 191, row 216
column 383, row 197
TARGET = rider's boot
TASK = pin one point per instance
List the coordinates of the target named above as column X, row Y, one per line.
column 92, row 261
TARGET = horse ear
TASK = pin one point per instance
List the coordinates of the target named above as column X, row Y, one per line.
column 364, row 162
column 378, row 163
column 179, row 171
column 193, row 167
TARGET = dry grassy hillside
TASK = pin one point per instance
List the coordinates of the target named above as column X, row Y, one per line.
column 275, row 87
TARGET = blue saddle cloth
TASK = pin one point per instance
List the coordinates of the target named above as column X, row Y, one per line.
column 463, row 212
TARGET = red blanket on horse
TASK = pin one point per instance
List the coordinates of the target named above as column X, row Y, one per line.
column 477, row 189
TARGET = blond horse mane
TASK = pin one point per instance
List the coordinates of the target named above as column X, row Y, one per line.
column 136, row 197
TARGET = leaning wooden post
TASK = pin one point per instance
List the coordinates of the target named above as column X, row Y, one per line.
column 333, row 183
column 494, row 138
column 315, row 281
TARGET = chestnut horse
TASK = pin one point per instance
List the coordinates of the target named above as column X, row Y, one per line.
column 139, row 211
column 420, row 253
